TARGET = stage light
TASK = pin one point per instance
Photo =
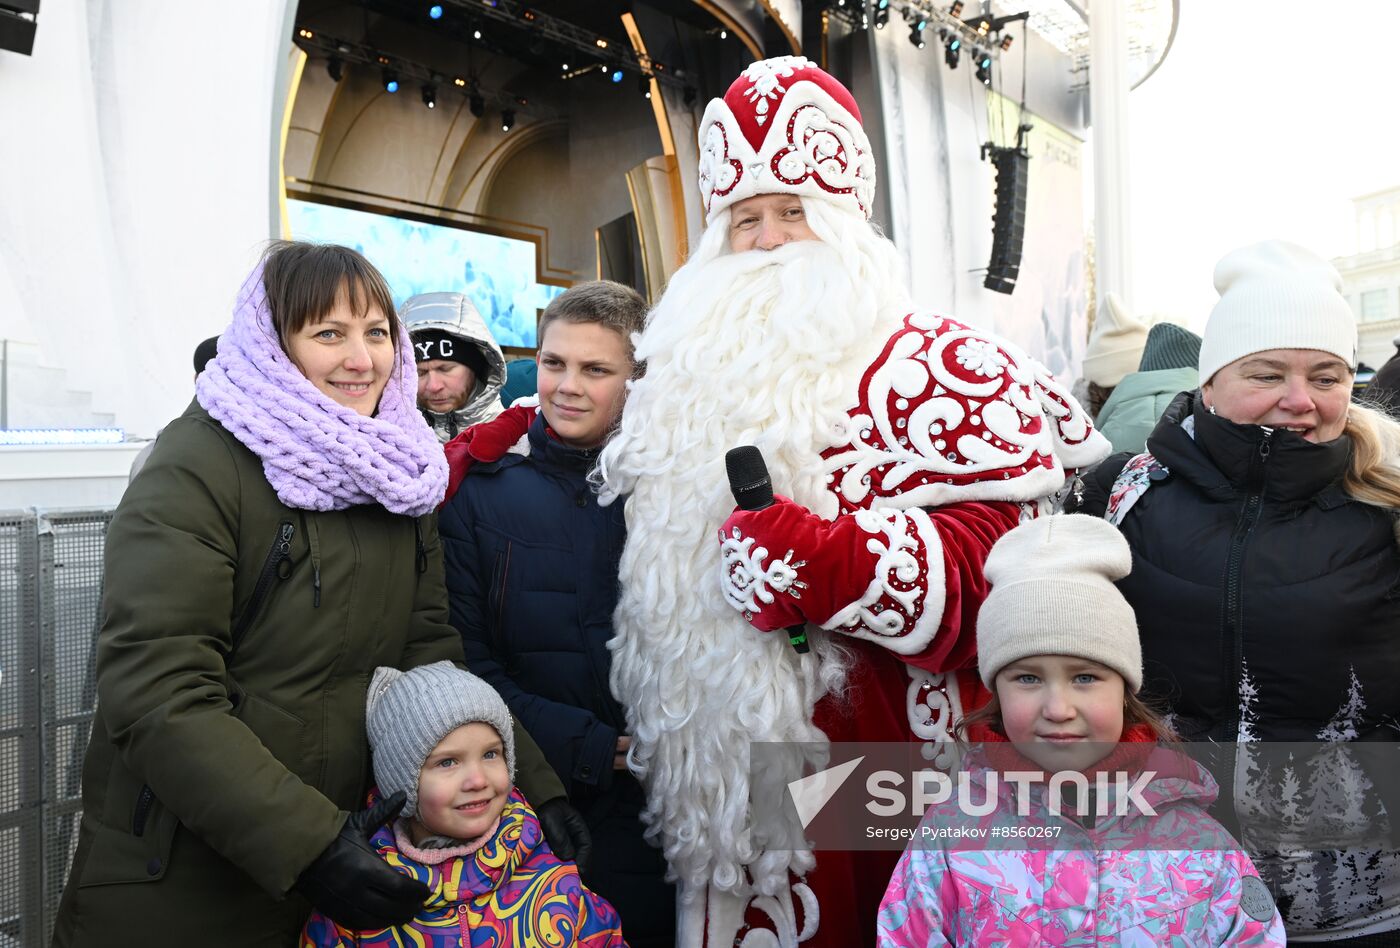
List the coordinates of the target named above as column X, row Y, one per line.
column 435, row 11
column 563, row 67
column 1006, row 42
column 459, row 82
column 476, row 104
column 507, row 120
column 983, row 25
column 600, row 43
column 952, row 51
column 391, row 81
column 956, row 8
column 306, row 34
column 616, row 75
column 335, row 69
column 882, row 14
column 983, row 59
column 724, row 34
column 529, row 15
column 644, row 86
column 430, row 96
column 476, row 34
column 916, row 36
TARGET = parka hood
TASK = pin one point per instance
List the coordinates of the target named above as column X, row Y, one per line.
column 455, row 314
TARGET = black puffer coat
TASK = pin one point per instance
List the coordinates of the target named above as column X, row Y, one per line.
column 532, row 579
column 1268, row 602
column 1249, row 556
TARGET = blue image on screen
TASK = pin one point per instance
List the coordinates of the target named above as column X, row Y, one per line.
column 496, row 273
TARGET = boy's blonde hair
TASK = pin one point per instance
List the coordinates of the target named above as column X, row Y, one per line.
column 618, row 307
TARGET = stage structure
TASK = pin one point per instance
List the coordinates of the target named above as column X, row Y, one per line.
column 153, row 154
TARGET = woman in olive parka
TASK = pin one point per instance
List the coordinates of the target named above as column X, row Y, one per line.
column 279, row 545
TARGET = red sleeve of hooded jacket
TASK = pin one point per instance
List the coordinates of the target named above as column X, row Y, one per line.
column 486, row 442
column 908, row 580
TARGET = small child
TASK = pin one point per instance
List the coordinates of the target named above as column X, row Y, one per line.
column 443, row 737
column 1057, row 645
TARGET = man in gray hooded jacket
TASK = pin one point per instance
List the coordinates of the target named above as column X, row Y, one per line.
column 460, row 367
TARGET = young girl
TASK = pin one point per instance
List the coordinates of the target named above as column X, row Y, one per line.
column 444, row 762
column 1058, row 647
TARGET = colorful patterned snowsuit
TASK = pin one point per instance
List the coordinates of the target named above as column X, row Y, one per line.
column 511, row 891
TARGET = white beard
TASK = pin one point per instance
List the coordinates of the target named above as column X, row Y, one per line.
column 755, row 348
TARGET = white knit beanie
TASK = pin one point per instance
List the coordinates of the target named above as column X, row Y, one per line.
column 408, row 713
column 1276, row 295
column 1053, row 594
column 1116, row 344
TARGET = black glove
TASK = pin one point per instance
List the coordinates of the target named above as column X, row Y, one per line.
column 566, row 832
column 352, row 886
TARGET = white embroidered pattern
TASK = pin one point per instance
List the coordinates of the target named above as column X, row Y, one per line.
column 892, row 598
column 982, row 357
column 933, row 703
column 748, row 585
column 947, row 414
column 825, row 150
column 902, row 607
column 718, row 172
column 765, row 76
column 783, row 918
column 816, row 146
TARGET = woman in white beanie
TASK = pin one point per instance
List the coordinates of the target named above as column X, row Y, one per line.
column 1267, row 580
column 1057, row 646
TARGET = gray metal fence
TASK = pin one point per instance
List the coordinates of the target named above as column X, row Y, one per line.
column 50, row 596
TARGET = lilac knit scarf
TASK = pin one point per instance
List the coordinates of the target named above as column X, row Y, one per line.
column 317, row 454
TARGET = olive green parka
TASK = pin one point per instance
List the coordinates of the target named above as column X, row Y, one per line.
column 238, row 638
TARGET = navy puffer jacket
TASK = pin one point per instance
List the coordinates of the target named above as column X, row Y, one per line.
column 532, row 565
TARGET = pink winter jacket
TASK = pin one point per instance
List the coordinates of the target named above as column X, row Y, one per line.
column 1175, row 879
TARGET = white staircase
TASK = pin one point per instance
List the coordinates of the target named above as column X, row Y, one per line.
column 39, row 396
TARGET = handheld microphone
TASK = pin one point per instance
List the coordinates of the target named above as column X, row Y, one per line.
column 752, row 489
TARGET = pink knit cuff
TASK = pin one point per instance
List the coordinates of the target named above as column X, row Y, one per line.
column 432, row 857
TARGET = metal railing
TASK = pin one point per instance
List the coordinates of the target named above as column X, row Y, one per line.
column 50, row 610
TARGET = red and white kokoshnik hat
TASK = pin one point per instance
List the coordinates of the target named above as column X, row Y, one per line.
column 785, row 126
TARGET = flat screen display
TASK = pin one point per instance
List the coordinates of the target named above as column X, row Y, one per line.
column 497, row 273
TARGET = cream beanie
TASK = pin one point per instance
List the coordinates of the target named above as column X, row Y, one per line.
column 1116, row 344
column 408, row 713
column 1053, row 594
column 1276, row 295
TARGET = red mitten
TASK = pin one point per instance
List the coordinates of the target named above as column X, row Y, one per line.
column 486, row 442
column 909, row 580
column 784, row 565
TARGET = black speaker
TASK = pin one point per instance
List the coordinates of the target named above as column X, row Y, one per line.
column 1009, row 220
column 18, row 23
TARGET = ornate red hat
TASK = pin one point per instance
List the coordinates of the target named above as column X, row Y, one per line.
column 785, row 126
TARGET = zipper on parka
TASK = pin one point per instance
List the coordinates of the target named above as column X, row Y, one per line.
column 280, row 553
column 1234, row 607
column 144, row 800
